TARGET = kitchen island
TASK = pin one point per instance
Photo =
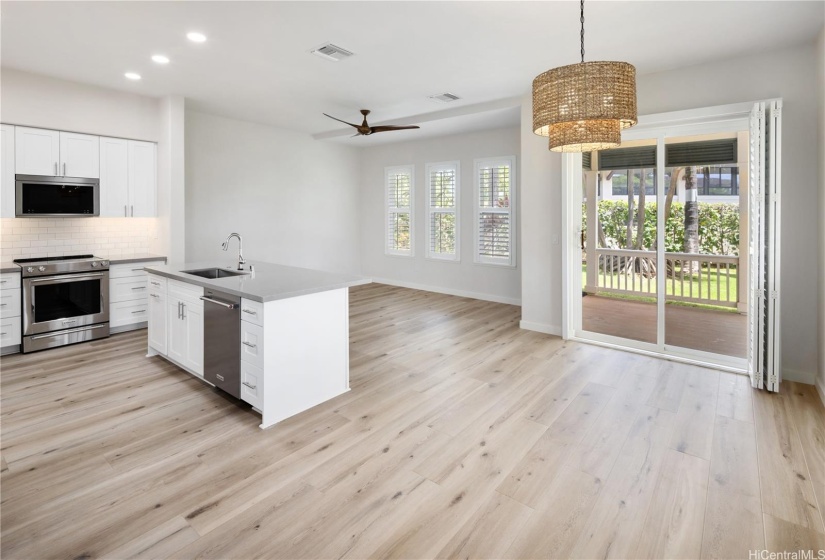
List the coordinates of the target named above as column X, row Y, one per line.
column 294, row 330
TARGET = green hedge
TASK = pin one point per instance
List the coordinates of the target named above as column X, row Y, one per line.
column 718, row 226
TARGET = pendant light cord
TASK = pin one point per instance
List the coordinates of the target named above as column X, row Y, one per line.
column 582, row 34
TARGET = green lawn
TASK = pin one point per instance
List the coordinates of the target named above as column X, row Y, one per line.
column 706, row 290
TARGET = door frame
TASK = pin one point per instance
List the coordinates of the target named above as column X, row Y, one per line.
column 706, row 120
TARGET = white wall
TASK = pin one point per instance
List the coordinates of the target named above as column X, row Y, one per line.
column 44, row 102
column 292, row 198
column 820, row 94
column 789, row 74
column 463, row 277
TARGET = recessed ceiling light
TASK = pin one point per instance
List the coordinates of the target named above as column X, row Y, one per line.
column 132, row 75
column 196, row 37
column 160, row 59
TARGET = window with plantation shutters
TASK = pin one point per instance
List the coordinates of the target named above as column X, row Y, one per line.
column 399, row 205
column 442, row 210
column 495, row 182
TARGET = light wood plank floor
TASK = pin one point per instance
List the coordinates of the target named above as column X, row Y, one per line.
column 463, row 436
column 709, row 330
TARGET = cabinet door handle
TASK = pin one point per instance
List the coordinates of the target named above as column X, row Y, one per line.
column 253, row 387
column 125, row 210
column 64, row 168
column 3, row 304
column 183, row 310
column 249, row 344
column 139, row 311
column 55, row 168
column 133, row 211
column 3, row 281
column 139, row 288
column 136, row 269
column 155, row 283
column 178, row 310
column 155, row 296
column 250, row 311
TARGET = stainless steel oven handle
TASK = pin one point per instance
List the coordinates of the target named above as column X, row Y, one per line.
column 68, row 277
column 67, row 331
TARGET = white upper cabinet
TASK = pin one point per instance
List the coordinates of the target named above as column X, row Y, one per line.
column 128, row 178
column 143, row 178
column 37, row 151
column 79, row 155
column 114, row 177
column 7, row 171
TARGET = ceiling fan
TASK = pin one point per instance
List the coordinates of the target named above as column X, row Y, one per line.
column 365, row 130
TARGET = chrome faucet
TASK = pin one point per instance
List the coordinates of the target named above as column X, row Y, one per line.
column 225, row 246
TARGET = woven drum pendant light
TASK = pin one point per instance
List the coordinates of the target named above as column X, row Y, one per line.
column 584, row 107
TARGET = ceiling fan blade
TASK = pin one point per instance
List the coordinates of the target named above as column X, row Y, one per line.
column 388, row 128
column 339, row 120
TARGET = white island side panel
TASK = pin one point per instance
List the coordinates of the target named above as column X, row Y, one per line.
column 306, row 352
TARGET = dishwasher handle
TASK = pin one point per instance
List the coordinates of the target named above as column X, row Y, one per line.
column 222, row 303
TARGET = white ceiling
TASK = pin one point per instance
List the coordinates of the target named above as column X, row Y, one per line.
column 256, row 64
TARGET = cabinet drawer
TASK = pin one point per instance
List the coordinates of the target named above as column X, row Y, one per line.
column 10, row 331
column 128, row 313
column 182, row 290
column 252, row 344
column 156, row 283
column 252, row 388
column 127, row 289
column 9, row 280
column 10, row 303
column 130, row 269
column 252, row 311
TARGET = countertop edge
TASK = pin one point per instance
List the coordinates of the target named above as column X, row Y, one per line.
column 206, row 283
column 136, row 259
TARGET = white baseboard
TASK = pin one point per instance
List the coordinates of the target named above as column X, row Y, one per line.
column 820, row 388
column 805, row 377
column 448, row 291
column 540, row 327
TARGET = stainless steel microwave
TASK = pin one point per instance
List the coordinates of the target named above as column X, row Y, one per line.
column 38, row 195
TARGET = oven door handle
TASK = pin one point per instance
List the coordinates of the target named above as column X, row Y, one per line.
column 68, row 277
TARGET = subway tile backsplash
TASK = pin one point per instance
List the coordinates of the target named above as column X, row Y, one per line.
column 107, row 237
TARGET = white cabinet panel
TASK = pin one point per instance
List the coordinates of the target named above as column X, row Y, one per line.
column 157, row 321
column 193, row 318
column 142, row 178
column 79, row 155
column 9, row 280
column 252, row 389
column 252, row 311
column 10, row 332
column 6, row 171
column 127, row 289
column 114, row 177
column 252, row 344
column 175, row 331
column 36, row 151
column 10, row 303
column 128, row 313
column 185, row 333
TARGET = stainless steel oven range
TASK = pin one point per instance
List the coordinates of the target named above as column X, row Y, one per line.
column 65, row 300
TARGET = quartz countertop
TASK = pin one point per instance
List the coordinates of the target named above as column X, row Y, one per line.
column 8, row 266
column 268, row 282
column 140, row 257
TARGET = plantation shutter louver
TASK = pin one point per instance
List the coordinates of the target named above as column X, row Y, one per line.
column 708, row 152
column 399, row 198
column 495, row 190
column 641, row 157
column 442, row 210
column 587, row 161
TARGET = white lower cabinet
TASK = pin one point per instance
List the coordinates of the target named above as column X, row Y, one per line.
column 128, row 302
column 176, row 322
column 157, row 319
column 10, row 311
column 252, row 380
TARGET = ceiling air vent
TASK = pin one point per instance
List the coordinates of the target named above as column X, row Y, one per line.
column 331, row 52
column 444, row 97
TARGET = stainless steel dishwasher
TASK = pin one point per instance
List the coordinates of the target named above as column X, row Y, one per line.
column 222, row 341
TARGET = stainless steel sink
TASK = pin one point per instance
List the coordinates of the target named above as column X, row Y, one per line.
column 215, row 272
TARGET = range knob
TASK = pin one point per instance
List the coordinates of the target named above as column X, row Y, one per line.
column 41, row 268
column 30, row 269
column 94, row 264
column 104, row 263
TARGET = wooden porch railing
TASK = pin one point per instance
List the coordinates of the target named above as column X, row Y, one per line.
column 692, row 278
